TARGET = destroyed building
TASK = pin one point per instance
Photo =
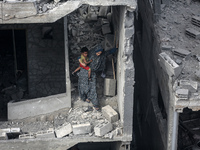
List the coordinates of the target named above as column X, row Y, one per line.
column 155, row 74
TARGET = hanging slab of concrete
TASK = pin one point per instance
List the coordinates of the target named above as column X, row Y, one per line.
column 54, row 14
column 38, row 106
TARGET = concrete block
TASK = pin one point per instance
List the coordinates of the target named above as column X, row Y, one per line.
column 182, row 94
column 3, row 136
column 27, row 136
column 63, row 130
column 187, row 84
column 192, row 33
column 106, row 29
column 182, row 52
column 110, row 114
column 169, row 65
column 109, row 87
column 15, row 130
column 82, row 128
column 102, row 128
column 6, row 130
column 45, row 134
column 196, row 21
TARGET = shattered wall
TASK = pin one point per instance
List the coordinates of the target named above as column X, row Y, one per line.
column 46, row 60
column 125, row 66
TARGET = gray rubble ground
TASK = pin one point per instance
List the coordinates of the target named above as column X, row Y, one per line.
column 174, row 21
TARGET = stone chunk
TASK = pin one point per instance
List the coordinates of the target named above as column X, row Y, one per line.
column 187, row 84
column 27, row 136
column 102, row 128
column 169, row 65
column 6, row 130
column 182, row 94
column 63, row 130
column 110, row 114
column 45, row 134
column 82, row 128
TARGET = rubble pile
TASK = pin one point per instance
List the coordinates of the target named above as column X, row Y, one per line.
column 179, row 32
column 78, row 121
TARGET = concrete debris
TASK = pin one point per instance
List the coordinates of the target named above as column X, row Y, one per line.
column 45, row 134
column 63, row 130
column 182, row 94
column 102, row 128
column 196, row 21
column 27, row 136
column 188, row 84
column 3, row 135
column 181, row 52
column 192, row 33
column 166, row 47
column 103, row 11
column 82, row 128
column 169, row 65
column 110, row 114
column 109, row 41
column 197, row 75
column 15, row 130
column 178, row 61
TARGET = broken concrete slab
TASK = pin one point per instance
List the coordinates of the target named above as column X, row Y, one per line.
column 192, row 33
column 169, row 65
column 102, row 128
column 110, row 114
column 82, row 128
column 182, row 94
column 188, row 84
column 63, row 130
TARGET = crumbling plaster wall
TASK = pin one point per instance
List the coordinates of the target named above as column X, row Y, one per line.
column 46, row 60
column 125, row 66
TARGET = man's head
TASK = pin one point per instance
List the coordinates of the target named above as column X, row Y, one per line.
column 84, row 51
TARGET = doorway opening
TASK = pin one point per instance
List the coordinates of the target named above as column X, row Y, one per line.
column 13, row 67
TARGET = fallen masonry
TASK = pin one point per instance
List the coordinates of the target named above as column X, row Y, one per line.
column 82, row 129
column 102, row 128
column 63, row 130
column 110, row 114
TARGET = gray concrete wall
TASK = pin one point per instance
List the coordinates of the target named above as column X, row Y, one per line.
column 153, row 126
column 46, row 60
column 125, row 67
